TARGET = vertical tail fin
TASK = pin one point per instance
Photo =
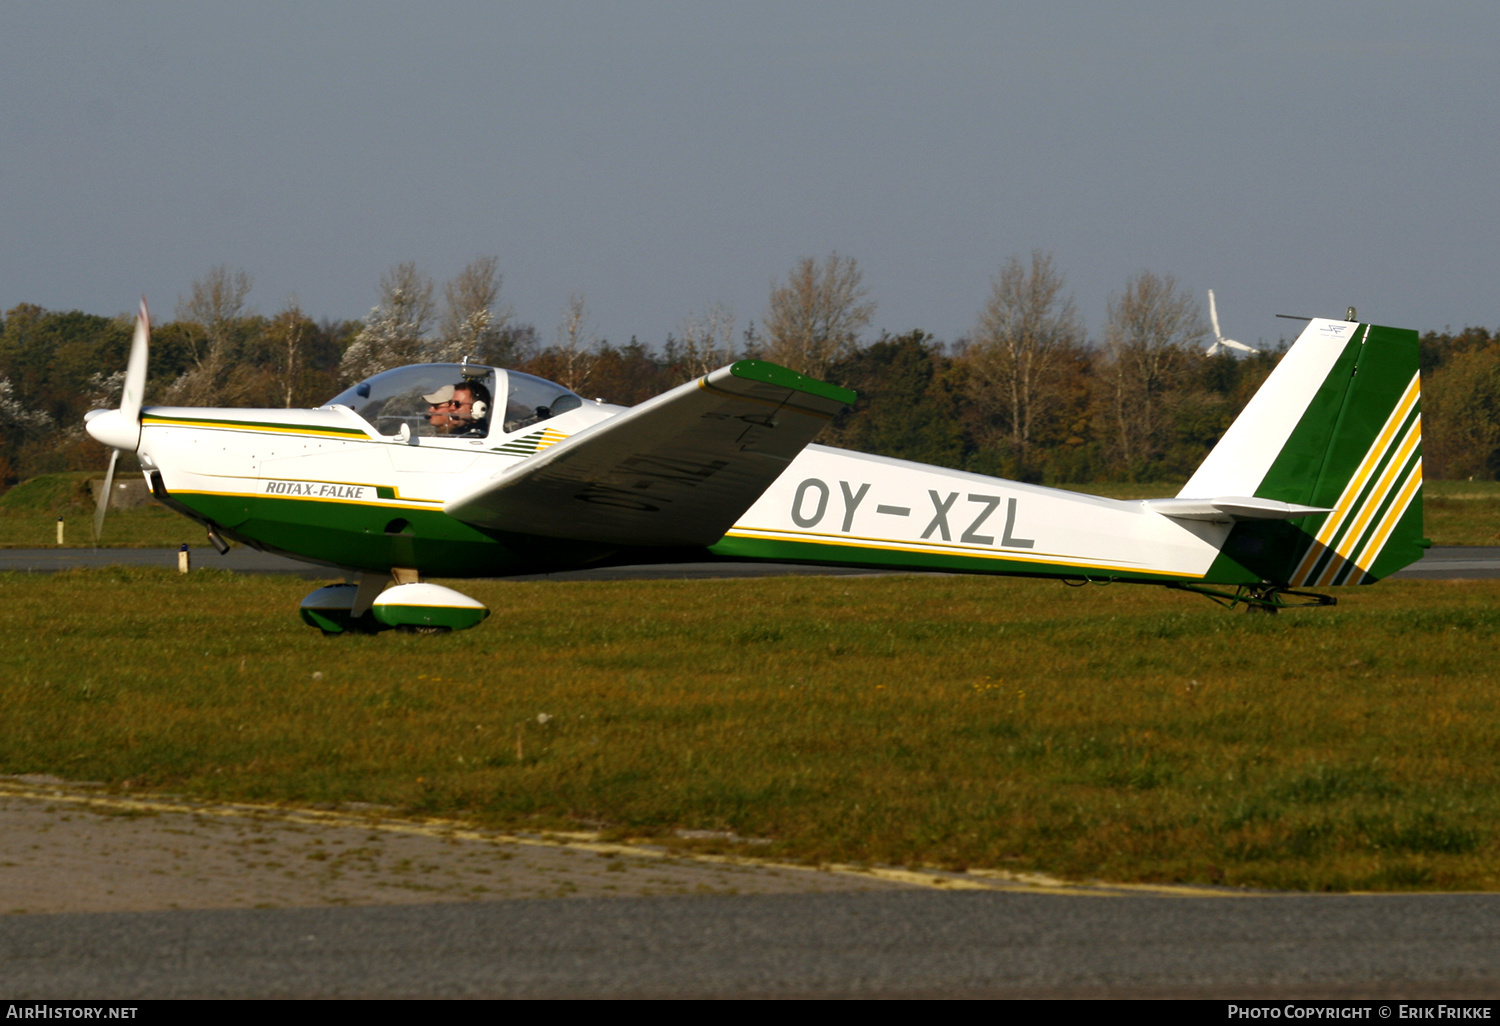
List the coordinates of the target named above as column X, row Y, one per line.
column 1338, row 424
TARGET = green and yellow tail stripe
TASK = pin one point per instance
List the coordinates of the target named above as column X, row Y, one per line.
column 1346, row 503
column 1393, row 514
column 1380, row 490
column 1403, row 466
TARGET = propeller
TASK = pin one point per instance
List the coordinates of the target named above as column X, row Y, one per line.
column 1222, row 342
column 121, row 429
column 103, row 507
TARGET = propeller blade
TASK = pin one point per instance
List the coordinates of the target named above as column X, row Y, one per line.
column 103, row 507
column 121, row 429
column 135, row 370
column 1232, row 344
column 1213, row 315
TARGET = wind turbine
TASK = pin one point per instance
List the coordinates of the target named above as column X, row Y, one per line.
column 121, row 429
column 1222, row 343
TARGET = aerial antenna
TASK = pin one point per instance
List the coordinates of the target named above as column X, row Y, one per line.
column 1349, row 315
column 1220, row 341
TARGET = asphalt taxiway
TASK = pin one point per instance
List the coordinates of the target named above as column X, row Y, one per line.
column 890, row 944
column 146, row 897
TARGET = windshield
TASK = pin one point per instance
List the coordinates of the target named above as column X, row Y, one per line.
column 431, row 400
column 532, row 399
column 454, row 400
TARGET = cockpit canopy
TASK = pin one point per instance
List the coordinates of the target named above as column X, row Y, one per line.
column 394, row 398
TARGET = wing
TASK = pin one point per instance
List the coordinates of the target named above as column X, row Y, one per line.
column 679, row 469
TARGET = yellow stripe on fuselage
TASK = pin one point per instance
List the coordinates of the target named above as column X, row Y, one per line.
column 885, row 545
column 398, row 502
column 268, row 429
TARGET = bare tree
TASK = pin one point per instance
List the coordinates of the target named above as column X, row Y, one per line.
column 407, row 293
column 816, row 317
column 216, row 303
column 395, row 332
column 577, row 348
column 286, row 335
column 751, row 342
column 217, row 297
column 708, row 339
column 1026, row 330
column 473, row 325
column 211, row 315
column 1153, row 334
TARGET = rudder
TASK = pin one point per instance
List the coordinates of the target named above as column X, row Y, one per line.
column 1336, row 425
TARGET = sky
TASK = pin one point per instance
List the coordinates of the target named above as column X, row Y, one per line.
column 1296, row 157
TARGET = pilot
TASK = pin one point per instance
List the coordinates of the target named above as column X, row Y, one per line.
column 459, row 410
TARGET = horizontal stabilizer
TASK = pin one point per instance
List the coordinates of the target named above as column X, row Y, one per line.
column 678, row 469
column 1231, row 509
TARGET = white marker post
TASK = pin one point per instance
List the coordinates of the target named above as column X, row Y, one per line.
column 59, row 530
column 182, row 559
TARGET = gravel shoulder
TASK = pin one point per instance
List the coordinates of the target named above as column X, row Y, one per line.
column 67, row 850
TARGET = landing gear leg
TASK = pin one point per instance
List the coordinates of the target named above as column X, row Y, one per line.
column 370, row 587
column 1259, row 598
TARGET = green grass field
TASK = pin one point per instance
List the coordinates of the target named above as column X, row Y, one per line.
column 1457, row 513
column 29, row 512
column 1125, row 733
column 1462, row 512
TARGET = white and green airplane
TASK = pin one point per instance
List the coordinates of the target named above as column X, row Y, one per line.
column 1318, row 483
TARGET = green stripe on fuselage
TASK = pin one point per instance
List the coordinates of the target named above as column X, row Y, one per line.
column 375, row 538
column 781, row 550
column 253, row 425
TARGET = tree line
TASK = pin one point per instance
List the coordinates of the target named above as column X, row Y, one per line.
column 1027, row 394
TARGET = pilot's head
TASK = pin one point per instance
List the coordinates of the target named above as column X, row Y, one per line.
column 479, row 400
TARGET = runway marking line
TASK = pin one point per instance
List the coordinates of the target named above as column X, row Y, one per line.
column 932, row 879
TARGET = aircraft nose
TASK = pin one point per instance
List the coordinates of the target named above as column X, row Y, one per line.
column 113, row 429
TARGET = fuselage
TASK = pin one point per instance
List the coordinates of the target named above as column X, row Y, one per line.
column 326, row 486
